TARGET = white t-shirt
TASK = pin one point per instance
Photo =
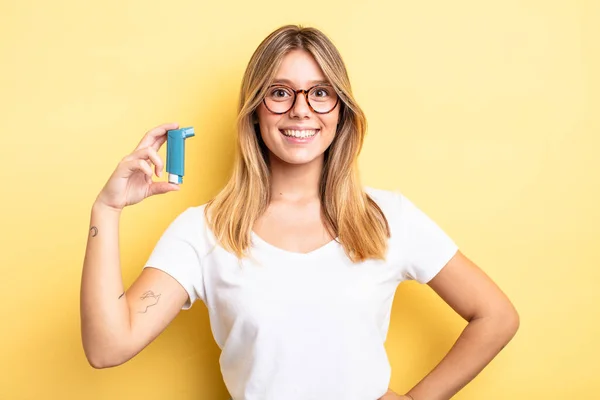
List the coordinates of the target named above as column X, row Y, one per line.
column 302, row 326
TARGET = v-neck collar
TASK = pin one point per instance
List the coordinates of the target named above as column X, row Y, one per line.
column 327, row 247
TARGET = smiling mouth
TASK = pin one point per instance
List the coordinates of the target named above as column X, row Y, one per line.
column 299, row 134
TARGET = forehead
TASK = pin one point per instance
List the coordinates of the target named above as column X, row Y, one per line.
column 299, row 68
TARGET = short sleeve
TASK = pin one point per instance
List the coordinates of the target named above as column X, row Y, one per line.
column 178, row 253
column 426, row 248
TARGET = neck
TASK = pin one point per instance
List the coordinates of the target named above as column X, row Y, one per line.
column 295, row 182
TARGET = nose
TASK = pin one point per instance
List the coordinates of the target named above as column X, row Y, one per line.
column 301, row 109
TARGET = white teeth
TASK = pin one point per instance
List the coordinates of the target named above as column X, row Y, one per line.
column 299, row 134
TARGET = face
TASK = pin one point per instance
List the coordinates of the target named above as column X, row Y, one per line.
column 300, row 135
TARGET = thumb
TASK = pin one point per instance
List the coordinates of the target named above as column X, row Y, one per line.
column 162, row 187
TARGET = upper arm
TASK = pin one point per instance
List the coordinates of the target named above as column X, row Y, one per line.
column 171, row 280
column 429, row 255
column 154, row 300
column 471, row 292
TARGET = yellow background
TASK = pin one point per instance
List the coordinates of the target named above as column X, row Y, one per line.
column 484, row 113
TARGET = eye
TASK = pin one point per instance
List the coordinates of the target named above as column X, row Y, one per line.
column 320, row 92
column 280, row 93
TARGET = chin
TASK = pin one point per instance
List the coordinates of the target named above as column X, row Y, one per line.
column 297, row 159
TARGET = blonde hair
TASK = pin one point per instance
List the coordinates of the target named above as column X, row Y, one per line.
column 348, row 212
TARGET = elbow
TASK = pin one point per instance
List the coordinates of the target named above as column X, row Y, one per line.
column 99, row 358
column 510, row 320
column 105, row 351
column 513, row 322
column 103, row 362
column 99, row 363
column 507, row 323
column 502, row 323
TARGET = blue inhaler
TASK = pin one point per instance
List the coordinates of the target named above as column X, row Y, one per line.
column 176, row 153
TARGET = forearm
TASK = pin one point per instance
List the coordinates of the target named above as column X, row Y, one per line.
column 481, row 340
column 104, row 311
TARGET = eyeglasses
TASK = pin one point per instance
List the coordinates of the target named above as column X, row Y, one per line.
column 321, row 99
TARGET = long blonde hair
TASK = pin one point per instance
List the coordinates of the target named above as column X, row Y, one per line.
column 348, row 212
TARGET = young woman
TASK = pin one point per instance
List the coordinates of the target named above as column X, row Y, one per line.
column 295, row 260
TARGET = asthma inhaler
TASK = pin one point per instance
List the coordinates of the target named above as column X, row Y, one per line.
column 176, row 153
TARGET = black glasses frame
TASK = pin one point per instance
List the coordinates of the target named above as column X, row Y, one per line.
column 305, row 92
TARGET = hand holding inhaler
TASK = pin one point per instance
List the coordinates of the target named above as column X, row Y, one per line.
column 131, row 182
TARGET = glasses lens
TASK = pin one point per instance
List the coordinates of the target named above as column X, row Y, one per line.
column 322, row 98
column 279, row 99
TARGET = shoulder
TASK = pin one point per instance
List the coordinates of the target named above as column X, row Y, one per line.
column 190, row 218
column 398, row 208
column 400, row 212
column 383, row 196
column 389, row 201
column 190, row 225
column 424, row 247
column 392, row 202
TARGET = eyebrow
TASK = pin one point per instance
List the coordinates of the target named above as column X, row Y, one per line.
column 312, row 83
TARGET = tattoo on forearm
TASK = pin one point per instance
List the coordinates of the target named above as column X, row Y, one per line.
column 94, row 231
column 121, row 295
column 151, row 300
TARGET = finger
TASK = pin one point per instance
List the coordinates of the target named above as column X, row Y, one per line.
column 159, row 142
column 162, row 187
column 140, row 165
column 148, row 153
column 156, row 160
column 153, row 134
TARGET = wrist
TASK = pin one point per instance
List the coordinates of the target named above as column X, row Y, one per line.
column 100, row 207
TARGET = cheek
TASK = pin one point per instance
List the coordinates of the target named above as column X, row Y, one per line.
column 331, row 121
column 261, row 112
column 266, row 120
